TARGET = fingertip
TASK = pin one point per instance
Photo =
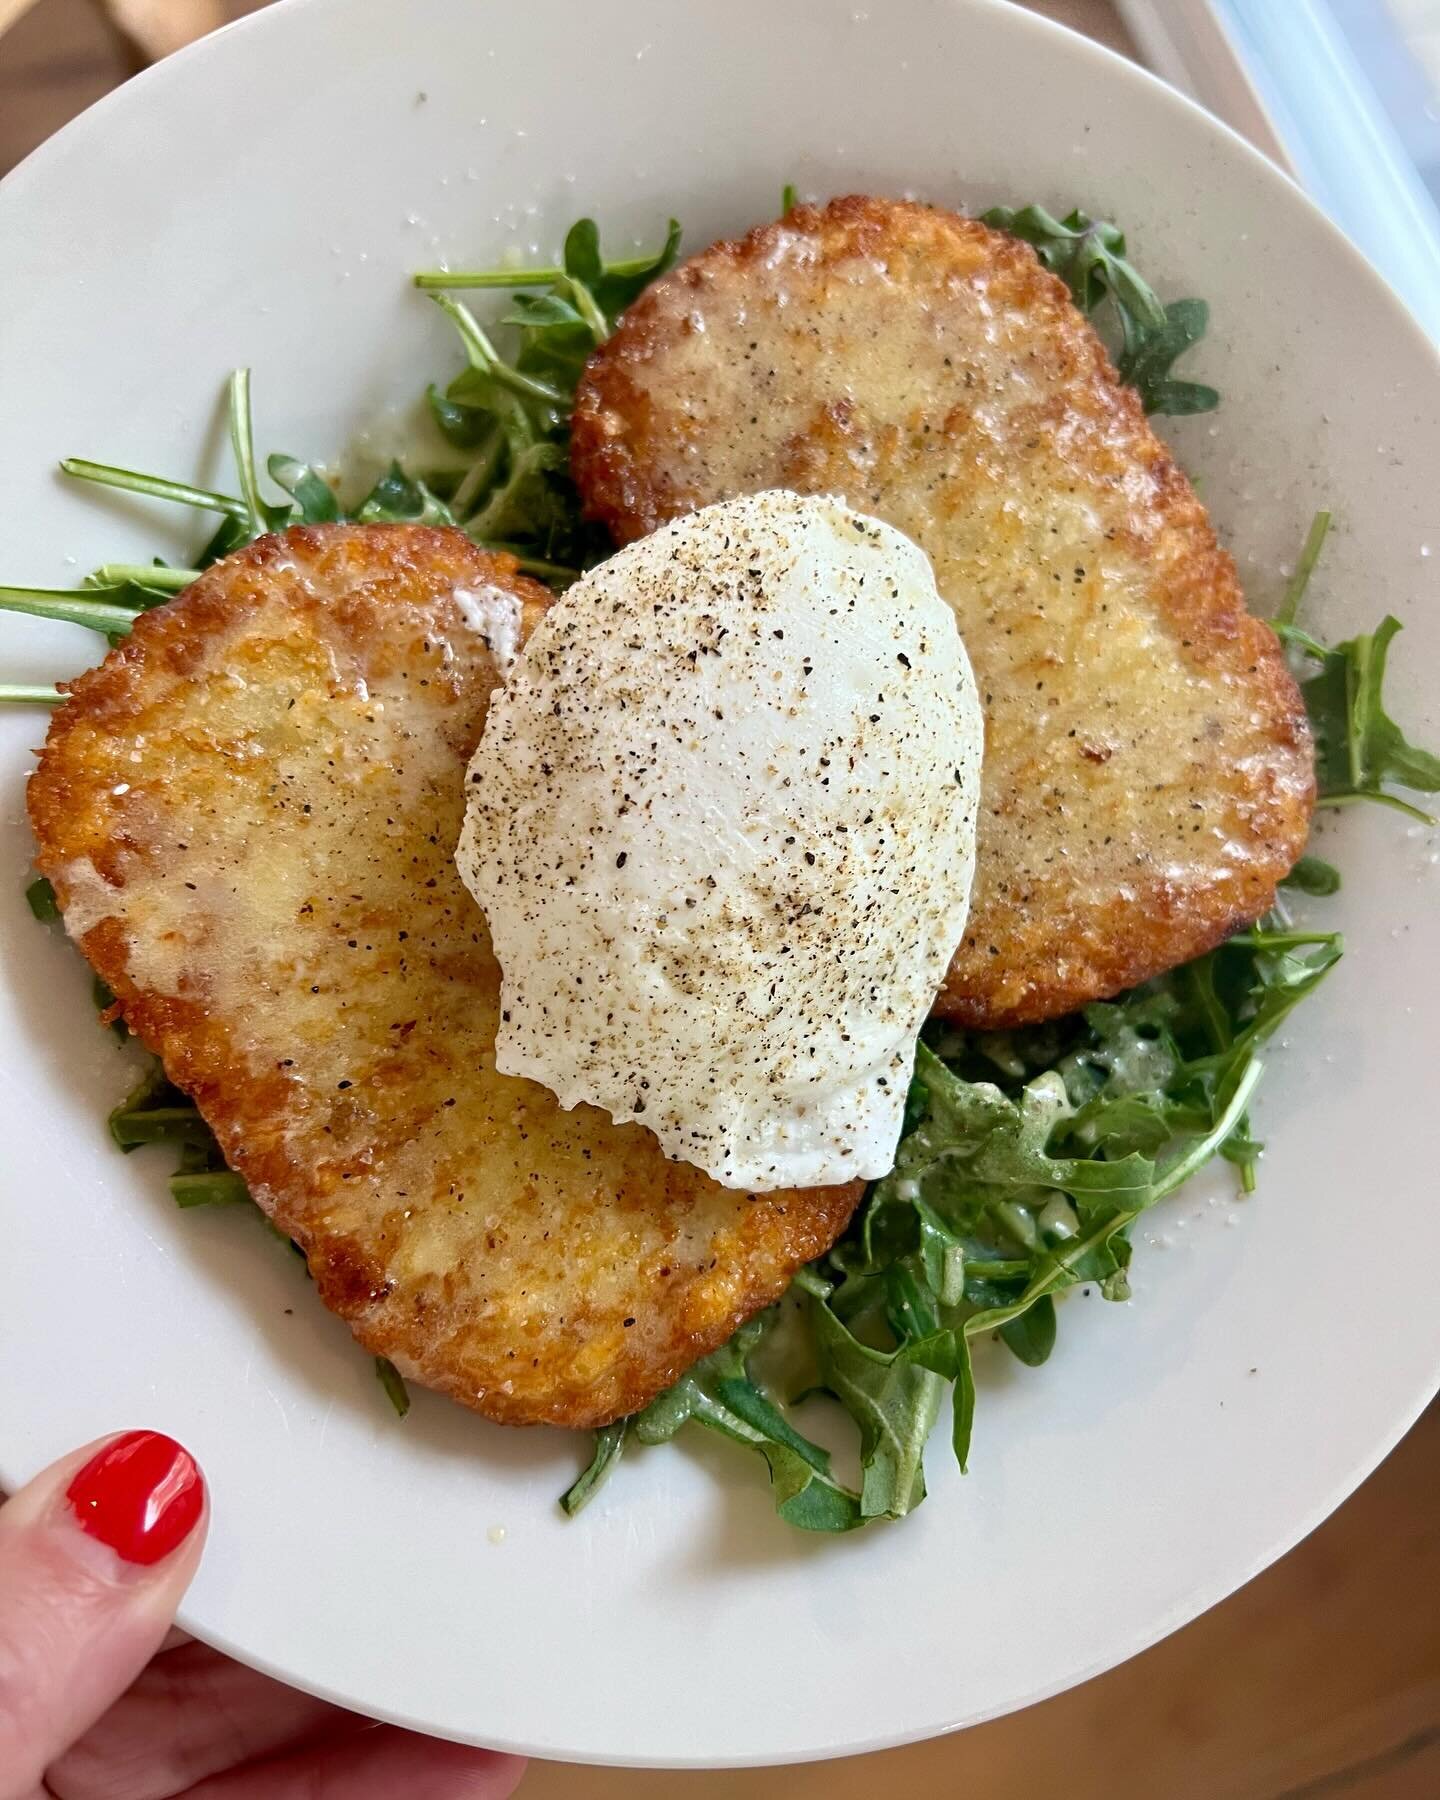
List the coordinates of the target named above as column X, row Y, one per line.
column 95, row 1554
column 141, row 1494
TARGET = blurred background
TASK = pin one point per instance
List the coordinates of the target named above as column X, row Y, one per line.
column 1322, row 1678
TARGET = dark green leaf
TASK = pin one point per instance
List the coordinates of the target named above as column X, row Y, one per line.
column 1359, row 749
column 398, row 496
column 1087, row 254
column 103, row 1000
column 1313, row 875
column 1150, row 352
column 533, row 310
column 313, row 496
column 98, row 610
column 132, row 1126
column 40, row 897
column 525, row 506
column 893, row 1399
column 805, row 1493
column 466, row 427
column 963, row 1401
column 581, row 257
column 229, row 535
column 623, row 281
column 1360, row 752
column 1032, row 1336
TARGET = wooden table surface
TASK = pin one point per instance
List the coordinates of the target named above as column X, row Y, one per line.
column 1320, row 1679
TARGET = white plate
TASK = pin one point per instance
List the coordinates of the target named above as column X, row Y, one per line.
column 261, row 199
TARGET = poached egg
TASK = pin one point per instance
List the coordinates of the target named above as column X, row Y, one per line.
column 721, row 822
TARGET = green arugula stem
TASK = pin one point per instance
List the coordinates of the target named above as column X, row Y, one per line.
column 530, row 565
column 609, row 1446
column 171, row 581
column 484, row 356
column 1373, row 795
column 214, row 1187
column 480, row 476
column 1200, row 1152
column 432, row 279
column 585, row 304
column 132, row 482
column 393, row 1383
column 1304, row 569
column 242, row 442
column 1280, row 940
column 73, row 606
column 20, row 693
column 159, row 1125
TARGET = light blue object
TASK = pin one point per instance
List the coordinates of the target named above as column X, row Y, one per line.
column 1345, row 148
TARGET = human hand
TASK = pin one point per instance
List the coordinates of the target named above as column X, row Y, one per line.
column 101, row 1700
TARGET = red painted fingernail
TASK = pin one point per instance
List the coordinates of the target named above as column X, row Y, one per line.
column 142, row 1495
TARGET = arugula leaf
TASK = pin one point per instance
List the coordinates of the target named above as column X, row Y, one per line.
column 313, row 496
column 1313, row 875
column 1360, row 752
column 609, row 1444
column 1087, row 254
column 466, row 427
column 1359, row 748
column 74, row 606
column 398, row 496
column 526, row 503
column 1089, row 257
column 719, row 1394
column 893, row 1399
column 1149, row 353
column 539, row 310
column 157, row 1112
column 1032, row 1336
column 615, row 284
column 40, row 898
column 1008, row 1191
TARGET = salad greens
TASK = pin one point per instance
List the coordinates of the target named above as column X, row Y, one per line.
column 1027, row 1156
column 1089, row 257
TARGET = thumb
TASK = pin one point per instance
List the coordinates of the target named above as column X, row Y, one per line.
column 94, row 1555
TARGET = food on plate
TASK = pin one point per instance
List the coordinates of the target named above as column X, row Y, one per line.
column 722, row 824
column 248, row 813
column 1149, row 774
column 326, row 988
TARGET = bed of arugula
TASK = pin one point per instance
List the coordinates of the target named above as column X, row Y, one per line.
column 1027, row 1156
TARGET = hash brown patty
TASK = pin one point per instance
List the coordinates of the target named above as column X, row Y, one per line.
column 249, row 812
column 1149, row 773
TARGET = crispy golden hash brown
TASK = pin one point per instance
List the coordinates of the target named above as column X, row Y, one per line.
column 1148, row 768
column 248, row 812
